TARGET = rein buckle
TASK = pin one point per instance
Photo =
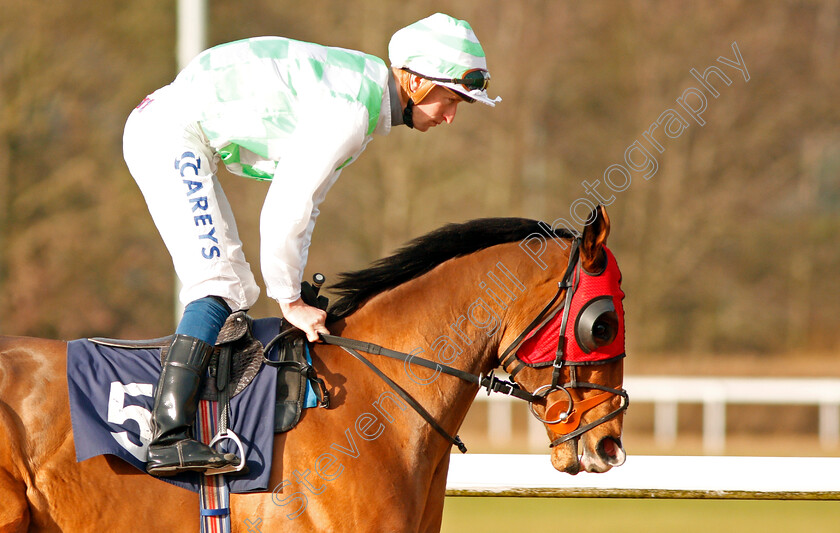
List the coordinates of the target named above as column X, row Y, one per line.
column 494, row 384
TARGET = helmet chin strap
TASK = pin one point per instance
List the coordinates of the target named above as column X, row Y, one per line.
column 408, row 118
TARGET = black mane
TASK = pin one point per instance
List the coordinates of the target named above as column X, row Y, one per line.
column 425, row 253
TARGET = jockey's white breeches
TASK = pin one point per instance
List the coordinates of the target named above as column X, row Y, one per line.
column 175, row 168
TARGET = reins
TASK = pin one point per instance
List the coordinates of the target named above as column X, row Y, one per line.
column 490, row 381
column 353, row 347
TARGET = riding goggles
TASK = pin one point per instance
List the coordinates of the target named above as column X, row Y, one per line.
column 476, row 79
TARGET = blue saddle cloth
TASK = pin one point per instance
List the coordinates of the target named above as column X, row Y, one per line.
column 112, row 395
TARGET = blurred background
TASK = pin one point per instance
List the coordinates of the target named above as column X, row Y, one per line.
column 729, row 251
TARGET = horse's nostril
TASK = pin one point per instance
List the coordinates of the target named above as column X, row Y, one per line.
column 609, row 447
column 611, row 451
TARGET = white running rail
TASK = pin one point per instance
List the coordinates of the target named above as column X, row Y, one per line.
column 787, row 478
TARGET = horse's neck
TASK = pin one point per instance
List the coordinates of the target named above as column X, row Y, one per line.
column 443, row 316
column 452, row 315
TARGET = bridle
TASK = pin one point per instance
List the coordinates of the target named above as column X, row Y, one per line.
column 567, row 423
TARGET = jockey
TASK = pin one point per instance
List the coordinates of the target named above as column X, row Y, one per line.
column 296, row 114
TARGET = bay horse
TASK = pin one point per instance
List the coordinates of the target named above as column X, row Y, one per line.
column 462, row 294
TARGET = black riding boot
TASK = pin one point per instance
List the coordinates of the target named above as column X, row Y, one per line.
column 173, row 450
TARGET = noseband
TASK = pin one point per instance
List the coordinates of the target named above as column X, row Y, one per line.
column 568, row 412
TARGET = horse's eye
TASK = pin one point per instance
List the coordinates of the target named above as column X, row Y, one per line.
column 597, row 324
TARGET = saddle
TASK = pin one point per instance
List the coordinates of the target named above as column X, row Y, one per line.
column 239, row 356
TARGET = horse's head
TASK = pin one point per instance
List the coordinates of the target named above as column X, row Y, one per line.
column 571, row 355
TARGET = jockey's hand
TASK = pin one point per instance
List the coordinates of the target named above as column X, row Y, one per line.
column 307, row 318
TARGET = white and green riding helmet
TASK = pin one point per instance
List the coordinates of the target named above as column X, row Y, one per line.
column 445, row 51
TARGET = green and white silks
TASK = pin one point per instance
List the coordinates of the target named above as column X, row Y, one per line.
column 269, row 108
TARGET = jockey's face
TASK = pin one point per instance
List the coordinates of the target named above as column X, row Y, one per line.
column 437, row 107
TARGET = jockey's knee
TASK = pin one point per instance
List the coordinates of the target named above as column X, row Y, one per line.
column 204, row 318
